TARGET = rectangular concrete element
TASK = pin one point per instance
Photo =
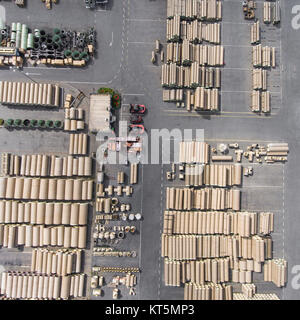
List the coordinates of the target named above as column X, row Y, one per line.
column 100, row 105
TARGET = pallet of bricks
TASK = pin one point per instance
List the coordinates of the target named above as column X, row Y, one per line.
column 191, row 76
column 45, row 203
column 263, row 58
column 208, row 243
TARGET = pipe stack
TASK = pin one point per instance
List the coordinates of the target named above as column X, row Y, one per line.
column 257, row 296
column 259, row 79
column 275, row 271
column 78, row 144
column 192, row 247
column 208, row 291
column 255, row 33
column 46, row 213
column 41, row 165
column 267, row 12
column 195, row 9
column 263, row 56
column 74, row 119
column 194, row 152
column 34, row 286
column 46, row 189
column 134, row 173
column 249, row 290
column 13, row 235
column 218, row 175
column 60, row 262
column 245, row 224
column 26, row 93
column 203, row 199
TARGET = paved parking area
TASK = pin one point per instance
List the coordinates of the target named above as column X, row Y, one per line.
column 126, row 34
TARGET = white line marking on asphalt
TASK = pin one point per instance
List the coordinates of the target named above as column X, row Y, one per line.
column 112, row 39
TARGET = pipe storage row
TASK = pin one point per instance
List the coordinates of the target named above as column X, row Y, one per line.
column 203, row 199
column 249, row 290
column 173, row 95
column 192, row 247
column 257, row 296
column 198, row 272
column 29, row 93
column 255, row 33
column 259, row 79
column 220, row 175
column 263, row 56
column 73, row 125
column 60, row 262
column 134, row 173
column 194, row 31
column 174, row 76
column 74, row 113
column 46, row 189
column 277, row 149
column 78, row 144
column 207, row 292
column 260, row 101
column 275, row 271
column 241, row 276
column 29, row 285
column 244, row 224
column 272, row 12
column 194, row 152
column 203, row 99
column 204, row 55
column 195, row 9
column 41, row 165
column 12, row 236
column 46, row 213
column 267, row 12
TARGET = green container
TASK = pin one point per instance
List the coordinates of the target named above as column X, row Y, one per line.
column 49, row 124
column 41, row 124
column 13, row 27
column 2, row 24
column 33, row 123
column 13, row 36
column 84, row 56
column 24, row 28
column 76, row 55
column 1, row 122
column 68, row 53
column 19, row 27
column 58, row 124
column 30, row 41
column 18, row 122
column 56, row 31
column 56, row 38
column 9, row 123
column 37, row 33
column 18, row 39
column 26, row 123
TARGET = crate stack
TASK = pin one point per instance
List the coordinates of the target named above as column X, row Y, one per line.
column 208, row 244
column 191, row 76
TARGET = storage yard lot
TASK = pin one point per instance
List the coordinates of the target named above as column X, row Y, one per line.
column 126, row 35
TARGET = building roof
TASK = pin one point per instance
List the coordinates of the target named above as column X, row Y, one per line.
column 100, row 106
